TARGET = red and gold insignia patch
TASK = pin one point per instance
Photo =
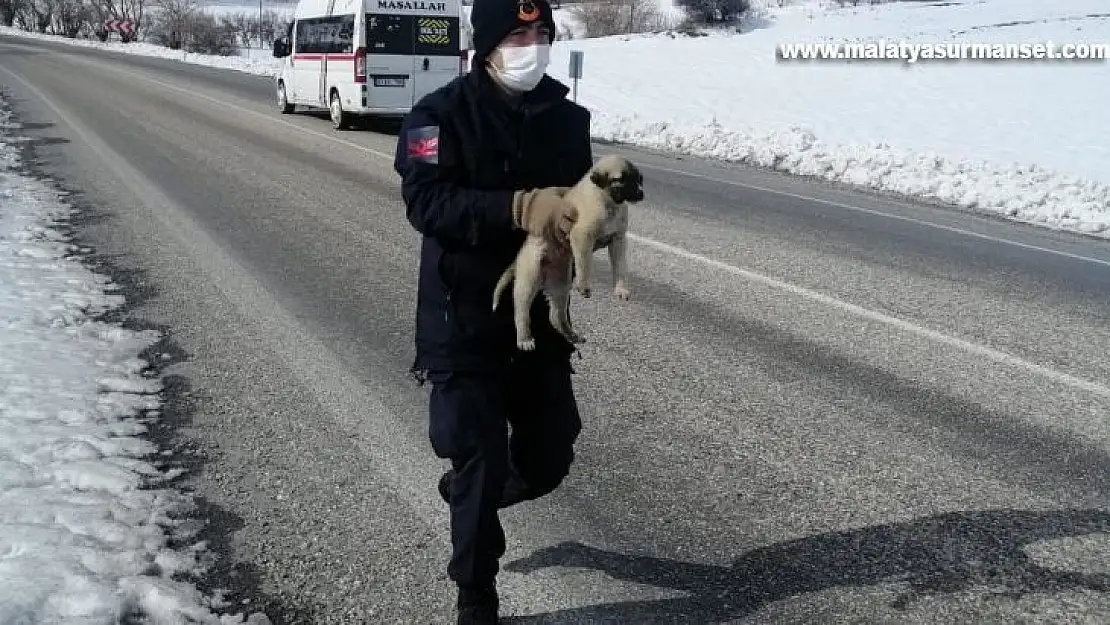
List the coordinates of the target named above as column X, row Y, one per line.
column 423, row 144
column 527, row 11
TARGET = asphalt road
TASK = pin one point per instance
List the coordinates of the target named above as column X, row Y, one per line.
column 819, row 406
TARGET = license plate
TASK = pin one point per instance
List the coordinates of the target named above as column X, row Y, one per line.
column 389, row 82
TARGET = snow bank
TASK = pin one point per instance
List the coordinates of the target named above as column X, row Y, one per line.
column 84, row 527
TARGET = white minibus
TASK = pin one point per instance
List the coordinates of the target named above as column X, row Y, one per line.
column 368, row 57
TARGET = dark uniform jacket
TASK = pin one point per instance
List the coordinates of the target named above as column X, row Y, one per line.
column 462, row 152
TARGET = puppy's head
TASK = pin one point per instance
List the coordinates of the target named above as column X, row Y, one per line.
column 619, row 178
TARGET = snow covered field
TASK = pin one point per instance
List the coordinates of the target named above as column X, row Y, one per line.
column 1029, row 140
column 84, row 525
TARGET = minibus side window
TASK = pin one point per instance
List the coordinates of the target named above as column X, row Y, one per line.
column 326, row 35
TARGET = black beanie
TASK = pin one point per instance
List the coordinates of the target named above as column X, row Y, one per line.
column 492, row 20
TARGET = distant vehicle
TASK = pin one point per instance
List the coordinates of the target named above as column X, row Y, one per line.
column 368, row 57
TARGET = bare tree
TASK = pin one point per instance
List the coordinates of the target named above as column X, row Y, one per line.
column 172, row 22
column 715, row 11
column 246, row 26
column 26, row 14
column 98, row 11
column 613, row 17
column 41, row 14
column 9, row 9
column 242, row 25
column 205, row 35
column 70, row 17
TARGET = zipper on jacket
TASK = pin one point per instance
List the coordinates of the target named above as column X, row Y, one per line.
column 524, row 114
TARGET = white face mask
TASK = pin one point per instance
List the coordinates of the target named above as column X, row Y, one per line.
column 522, row 68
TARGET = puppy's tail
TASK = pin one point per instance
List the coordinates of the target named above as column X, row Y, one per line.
column 502, row 282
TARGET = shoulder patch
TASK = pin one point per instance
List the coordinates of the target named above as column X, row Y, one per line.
column 422, row 144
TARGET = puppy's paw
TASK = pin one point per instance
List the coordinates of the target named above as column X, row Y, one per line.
column 622, row 292
column 526, row 345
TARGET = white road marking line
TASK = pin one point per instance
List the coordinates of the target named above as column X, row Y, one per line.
column 872, row 315
column 865, row 313
column 879, row 213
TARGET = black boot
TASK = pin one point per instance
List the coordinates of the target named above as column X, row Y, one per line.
column 515, row 490
column 445, row 486
column 478, row 606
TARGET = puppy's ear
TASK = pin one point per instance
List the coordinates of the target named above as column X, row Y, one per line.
column 600, row 178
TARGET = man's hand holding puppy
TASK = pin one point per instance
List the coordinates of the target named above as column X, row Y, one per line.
column 544, row 212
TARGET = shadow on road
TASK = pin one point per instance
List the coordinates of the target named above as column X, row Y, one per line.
column 935, row 555
column 36, row 140
column 377, row 125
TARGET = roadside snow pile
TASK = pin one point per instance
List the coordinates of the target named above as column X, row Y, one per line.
column 84, row 529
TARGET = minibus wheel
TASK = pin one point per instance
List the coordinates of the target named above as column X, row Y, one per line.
column 340, row 119
column 282, row 99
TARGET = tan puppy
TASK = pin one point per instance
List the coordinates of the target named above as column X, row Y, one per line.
column 601, row 200
column 545, row 263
